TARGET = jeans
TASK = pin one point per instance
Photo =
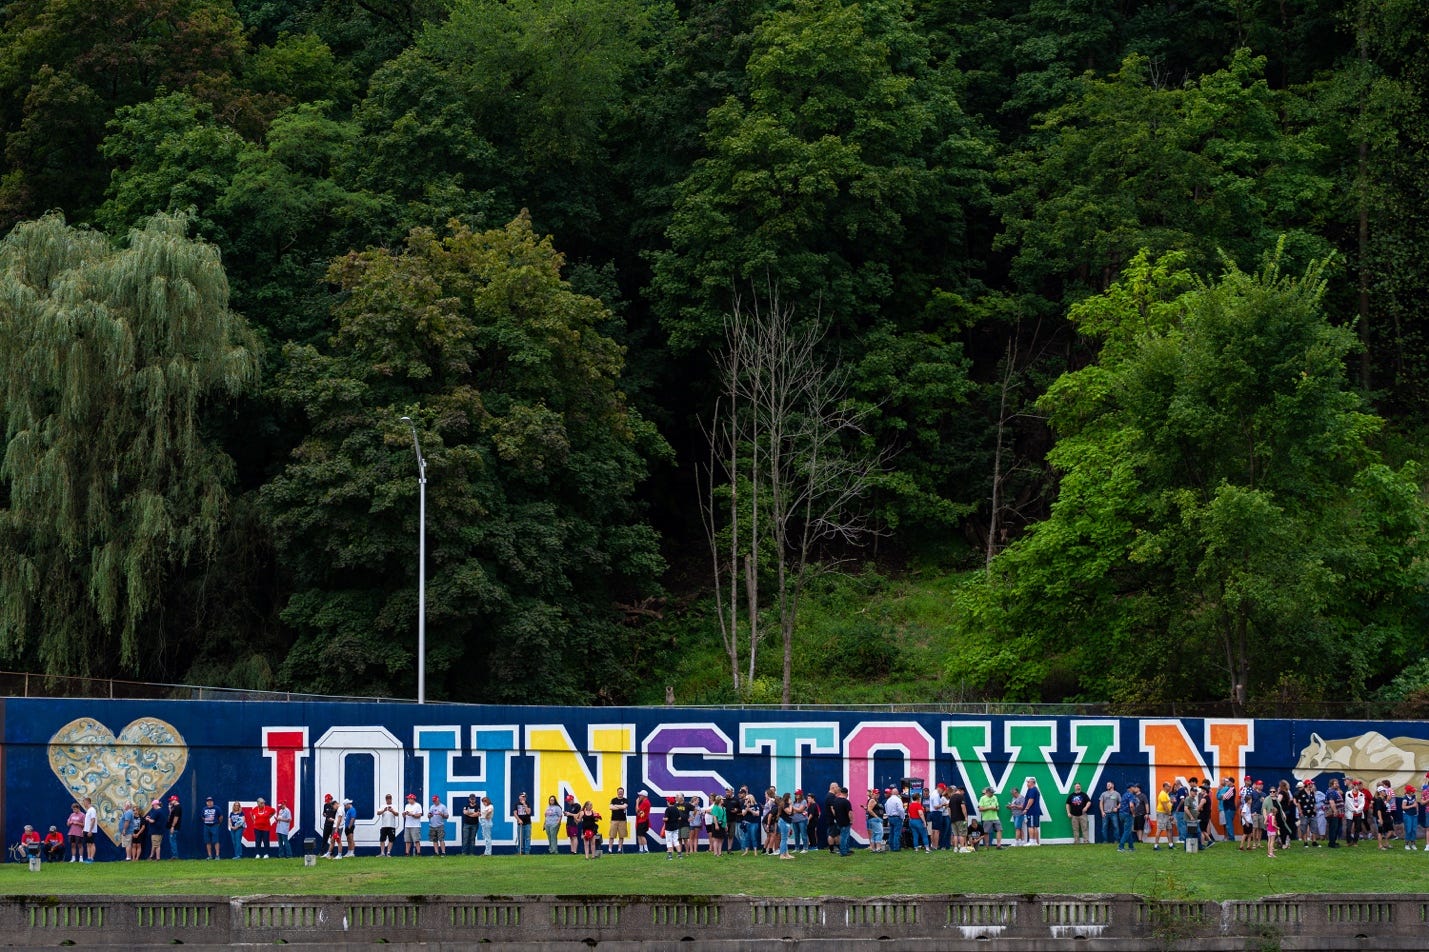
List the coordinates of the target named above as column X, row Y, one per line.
column 523, row 843
column 1128, row 832
column 486, row 835
column 895, row 833
column 845, row 839
column 920, row 834
column 285, row 849
column 237, row 836
column 1180, row 826
column 1111, row 828
column 468, row 838
column 786, row 831
column 1228, row 820
column 875, row 830
column 801, row 832
column 173, row 844
column 943, row 823
column 749, row 835
column 1411, row 828
column 260, row 842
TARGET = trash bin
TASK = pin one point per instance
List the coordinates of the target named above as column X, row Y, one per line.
column 310, row 851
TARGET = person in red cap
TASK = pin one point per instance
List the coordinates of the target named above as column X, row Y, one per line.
column 437, row 817
column 174, row 823
column 672, row 829
column 572, row 811
column 412, row 825
column 1409, row 810
column 329, row 823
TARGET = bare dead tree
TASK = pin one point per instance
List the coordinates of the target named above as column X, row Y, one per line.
column 785, row 423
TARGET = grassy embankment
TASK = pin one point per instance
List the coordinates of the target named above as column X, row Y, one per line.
column 1218, row 874
column 863, row 639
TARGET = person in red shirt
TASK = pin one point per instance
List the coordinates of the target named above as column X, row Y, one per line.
column 30, row 840
column 262, row 826
column 642, row 821
column 54, row 845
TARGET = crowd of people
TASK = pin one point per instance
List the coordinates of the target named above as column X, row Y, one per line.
column 1257, row 815
column 1252, row 813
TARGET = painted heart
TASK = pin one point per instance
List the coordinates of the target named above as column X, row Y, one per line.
column 141, row 764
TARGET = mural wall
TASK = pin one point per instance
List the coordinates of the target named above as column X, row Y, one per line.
column 56, row 751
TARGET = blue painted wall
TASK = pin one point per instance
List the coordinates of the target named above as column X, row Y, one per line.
column 58, row 750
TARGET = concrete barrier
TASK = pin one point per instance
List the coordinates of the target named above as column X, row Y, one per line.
column 723, row 922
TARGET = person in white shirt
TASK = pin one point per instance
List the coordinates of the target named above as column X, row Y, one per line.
column 388, row 819
column 937, row 814
column 91, row 827
column 894, row 813
column 412, row 825
column 1355, row 823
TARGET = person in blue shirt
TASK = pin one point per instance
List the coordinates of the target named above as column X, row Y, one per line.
column 1032, row 813
column 211, row 819
column 1125, row 815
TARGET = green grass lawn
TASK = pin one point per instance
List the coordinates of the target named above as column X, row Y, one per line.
column 1219, row 873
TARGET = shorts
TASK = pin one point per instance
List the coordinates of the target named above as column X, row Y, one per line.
column 412, row 834
column 1163, row 822
column 672, row 838
column 960, row 828
column 1032, row 821
column 439, row 832
column 642, row 828
column 126, row 840
column 1259, row 821
column 88, row 838
column 388, row 834
column 991, row 826
column 618, row 830
column 156, row 840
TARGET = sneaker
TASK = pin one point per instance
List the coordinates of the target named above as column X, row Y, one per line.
column 1154, row 849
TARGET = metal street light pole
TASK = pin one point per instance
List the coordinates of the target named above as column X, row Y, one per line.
column 421, row 565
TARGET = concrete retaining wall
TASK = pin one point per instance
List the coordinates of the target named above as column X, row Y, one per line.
column 948, row 922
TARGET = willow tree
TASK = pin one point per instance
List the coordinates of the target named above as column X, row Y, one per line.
column 109, row 485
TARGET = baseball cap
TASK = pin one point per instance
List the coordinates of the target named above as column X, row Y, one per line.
column 411, row 796
column 349, row 802
column 327, row 797
column 155, row 804
column 54, row 829
column 570, row 796
column 669, row 799
column 208, row 798
column 644, row 793
column 435, row 799
column 1409, row 788
column 173, row 799
column 798, row 793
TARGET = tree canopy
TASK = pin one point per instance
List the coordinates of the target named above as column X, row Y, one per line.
column 1010, row 216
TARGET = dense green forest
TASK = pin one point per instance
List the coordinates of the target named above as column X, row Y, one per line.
column 1105, row 320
